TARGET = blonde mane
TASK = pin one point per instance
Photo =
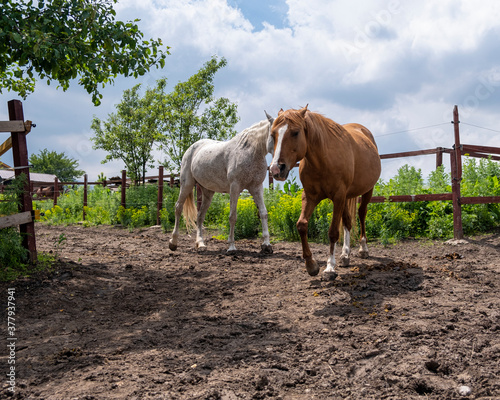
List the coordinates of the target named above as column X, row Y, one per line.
column 254, row 136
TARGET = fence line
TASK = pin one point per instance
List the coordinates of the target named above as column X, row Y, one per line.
column 456, row 153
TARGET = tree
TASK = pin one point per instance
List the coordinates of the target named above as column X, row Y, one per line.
column 178, row 118
column 129, row 134
column 64, row 39
column 58, row 164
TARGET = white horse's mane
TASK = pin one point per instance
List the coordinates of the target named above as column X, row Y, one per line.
column 255, row 135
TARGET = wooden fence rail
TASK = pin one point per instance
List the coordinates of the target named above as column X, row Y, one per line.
column 123, row 183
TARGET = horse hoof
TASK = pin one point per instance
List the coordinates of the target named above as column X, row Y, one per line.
column 172, row 246
column 231, row 252
column 363, row 254
column 329, row 275
column 312, row 267
column 201, row 248
column 266, row 249
column 344, row 261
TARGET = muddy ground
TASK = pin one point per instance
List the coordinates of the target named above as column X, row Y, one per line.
column 123, row 317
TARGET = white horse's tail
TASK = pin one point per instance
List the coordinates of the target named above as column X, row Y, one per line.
column 190, row 212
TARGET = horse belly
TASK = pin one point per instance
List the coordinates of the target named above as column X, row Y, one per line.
column 209, row 170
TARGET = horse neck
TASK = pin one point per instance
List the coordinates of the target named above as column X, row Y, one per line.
column 321, row 132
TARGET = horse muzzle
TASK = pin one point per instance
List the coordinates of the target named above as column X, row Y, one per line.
column 279, row 171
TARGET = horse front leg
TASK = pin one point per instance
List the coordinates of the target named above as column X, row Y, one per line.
column 308, row 206
column 258, row 198
column 333, row 233
column 234, row 193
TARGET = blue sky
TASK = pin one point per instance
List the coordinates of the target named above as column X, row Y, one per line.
column 393, row 66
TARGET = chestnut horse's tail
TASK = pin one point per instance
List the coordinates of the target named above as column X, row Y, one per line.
column 190, row 212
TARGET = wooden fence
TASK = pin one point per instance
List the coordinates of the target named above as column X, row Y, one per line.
column 456, row 153
column 122, row 183
column 18, row 130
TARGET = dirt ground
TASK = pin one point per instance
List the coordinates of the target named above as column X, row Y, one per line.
column 123, row 317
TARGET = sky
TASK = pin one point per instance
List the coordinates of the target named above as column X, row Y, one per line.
column 397, row 67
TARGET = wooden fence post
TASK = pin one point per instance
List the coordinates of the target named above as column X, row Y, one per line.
column 439, row 157
column 160, row 194
column 56, row 190
column 124, row 188
column 20, row 156
column 456, row 178
column 85, row 193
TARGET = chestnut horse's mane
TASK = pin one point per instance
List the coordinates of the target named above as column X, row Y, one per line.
column 318, row 127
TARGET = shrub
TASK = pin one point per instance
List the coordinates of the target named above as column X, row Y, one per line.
column 284, row 214
column 247, row 222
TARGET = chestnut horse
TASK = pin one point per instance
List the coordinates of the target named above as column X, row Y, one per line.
column 338, row 162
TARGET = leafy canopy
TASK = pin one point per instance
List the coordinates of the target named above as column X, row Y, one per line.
column 58, row 164
column 190, row 113
column 129, row 134
column 171, row 121
column 63, row 40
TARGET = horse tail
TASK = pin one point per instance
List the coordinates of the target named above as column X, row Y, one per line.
column 189, row 211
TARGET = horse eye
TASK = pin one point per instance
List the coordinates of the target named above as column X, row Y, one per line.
column 294, row 133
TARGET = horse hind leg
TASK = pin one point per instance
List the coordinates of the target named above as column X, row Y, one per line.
column 187, row 184
column 348, row 218
column 205, row 204
column 346, row 248
column 339, row 214
column 365, row 199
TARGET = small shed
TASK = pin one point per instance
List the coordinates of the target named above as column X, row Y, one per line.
column 38, row 180
column 41, row 184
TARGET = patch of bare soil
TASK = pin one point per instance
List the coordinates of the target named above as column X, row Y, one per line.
column 124, row 317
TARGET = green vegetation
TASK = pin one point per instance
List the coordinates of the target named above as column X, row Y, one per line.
column 58, row 164
column 387, row 222
column 71, row 41
column 171, row 121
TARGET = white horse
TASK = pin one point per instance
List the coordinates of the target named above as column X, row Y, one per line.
column 225, row 167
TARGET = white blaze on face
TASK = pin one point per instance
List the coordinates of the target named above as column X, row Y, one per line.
column 274, row 164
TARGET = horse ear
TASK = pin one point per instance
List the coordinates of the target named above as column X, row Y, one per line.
column 280, row 112
column 269, row 118
column 303, row 111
